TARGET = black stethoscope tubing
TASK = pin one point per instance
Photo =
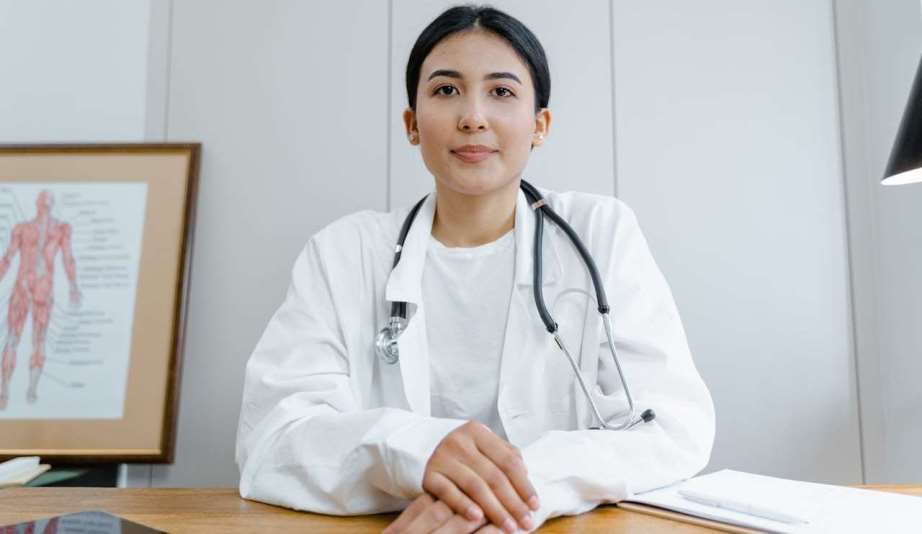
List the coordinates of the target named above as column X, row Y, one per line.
column 399, row 309
column 398, row 318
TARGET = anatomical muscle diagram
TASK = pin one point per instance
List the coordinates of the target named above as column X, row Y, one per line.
column 69, row 262
column 37, row 242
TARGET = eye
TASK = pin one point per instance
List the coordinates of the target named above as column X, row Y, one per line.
column 439, row 91
column 504, row 92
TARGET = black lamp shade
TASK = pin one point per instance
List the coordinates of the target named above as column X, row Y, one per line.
column 905, row 165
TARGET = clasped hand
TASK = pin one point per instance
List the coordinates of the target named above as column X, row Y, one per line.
column 474, row 480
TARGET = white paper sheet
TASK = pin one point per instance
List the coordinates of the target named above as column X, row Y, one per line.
column 832, row 509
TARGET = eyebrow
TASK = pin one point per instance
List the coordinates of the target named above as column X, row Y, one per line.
column 492, row 76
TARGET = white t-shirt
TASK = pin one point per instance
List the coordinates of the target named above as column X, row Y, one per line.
column 466, row 294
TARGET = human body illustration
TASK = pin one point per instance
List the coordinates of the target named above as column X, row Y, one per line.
column 38, row 242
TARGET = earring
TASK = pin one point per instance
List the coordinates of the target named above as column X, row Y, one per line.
column 413, row 137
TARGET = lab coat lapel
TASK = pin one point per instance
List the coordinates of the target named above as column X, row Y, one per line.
column 405, row 285
column 526, row 337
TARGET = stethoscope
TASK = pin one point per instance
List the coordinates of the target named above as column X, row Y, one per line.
column 386, row 340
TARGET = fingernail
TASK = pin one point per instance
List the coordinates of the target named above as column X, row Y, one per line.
column 533, row 502
column 527, row 522
column 509, row 525
column 473, row 513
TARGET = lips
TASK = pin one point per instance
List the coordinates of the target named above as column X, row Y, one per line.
column 473, row 153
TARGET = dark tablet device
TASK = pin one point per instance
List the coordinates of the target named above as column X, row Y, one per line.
column 80, row 522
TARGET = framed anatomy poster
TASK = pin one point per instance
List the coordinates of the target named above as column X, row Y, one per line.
column 95, row 247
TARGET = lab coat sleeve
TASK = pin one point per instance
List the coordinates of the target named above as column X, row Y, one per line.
column 574, row 471
column 303, row 440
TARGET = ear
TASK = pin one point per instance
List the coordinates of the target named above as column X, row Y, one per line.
column 542, row 127
column 409, row 122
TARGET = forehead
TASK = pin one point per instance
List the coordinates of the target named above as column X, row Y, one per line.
column 473, row 53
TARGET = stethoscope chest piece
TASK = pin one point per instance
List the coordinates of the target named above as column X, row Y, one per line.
column 386, row 340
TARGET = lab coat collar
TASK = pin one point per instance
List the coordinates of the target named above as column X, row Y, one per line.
column 405, row 281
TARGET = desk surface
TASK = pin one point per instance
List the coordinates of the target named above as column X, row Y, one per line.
column 213, row 510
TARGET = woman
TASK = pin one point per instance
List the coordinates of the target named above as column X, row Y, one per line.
column 480, row 423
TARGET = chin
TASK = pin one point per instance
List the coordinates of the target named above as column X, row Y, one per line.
column 475, row 186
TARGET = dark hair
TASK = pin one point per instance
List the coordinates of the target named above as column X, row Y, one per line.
column 465, row 17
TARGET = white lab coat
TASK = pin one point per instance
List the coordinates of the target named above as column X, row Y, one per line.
column 327, row 426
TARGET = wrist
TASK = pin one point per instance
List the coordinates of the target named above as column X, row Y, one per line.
column 408, row 451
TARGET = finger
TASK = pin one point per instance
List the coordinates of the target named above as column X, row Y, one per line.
column 520, row 480
column 409, row 514
column 476, row 487
column 509, row 459
column 489, row 529
column 445, row 490
column 458, row 524
column 430, row 519
column 499, row 483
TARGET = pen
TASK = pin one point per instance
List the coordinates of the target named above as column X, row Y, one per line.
column 738, row 506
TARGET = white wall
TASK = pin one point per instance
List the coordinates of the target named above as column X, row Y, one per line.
column 728, row 149
column 880, row 47
column 73, row 71
column 720, row 118
column 293, row 136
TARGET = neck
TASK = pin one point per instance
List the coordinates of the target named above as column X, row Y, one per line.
column 471, row 220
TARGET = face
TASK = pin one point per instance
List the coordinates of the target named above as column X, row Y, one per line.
column 475, row 119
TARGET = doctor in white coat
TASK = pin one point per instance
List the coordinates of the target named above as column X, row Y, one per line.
column 480, row 425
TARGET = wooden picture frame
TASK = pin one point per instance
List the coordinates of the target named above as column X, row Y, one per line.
column 95, row 251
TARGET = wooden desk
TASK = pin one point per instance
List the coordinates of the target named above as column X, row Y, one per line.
column 221, row 510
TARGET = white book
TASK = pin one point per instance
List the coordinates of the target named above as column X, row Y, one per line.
column 20, row 471
column 785, row 506
column 15, row 468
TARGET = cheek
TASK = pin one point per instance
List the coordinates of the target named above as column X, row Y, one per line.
column 435, row 134
column 434, row 122
column 515, row 129
column 516, row 139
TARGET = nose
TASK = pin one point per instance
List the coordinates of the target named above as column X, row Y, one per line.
column 472, row 118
